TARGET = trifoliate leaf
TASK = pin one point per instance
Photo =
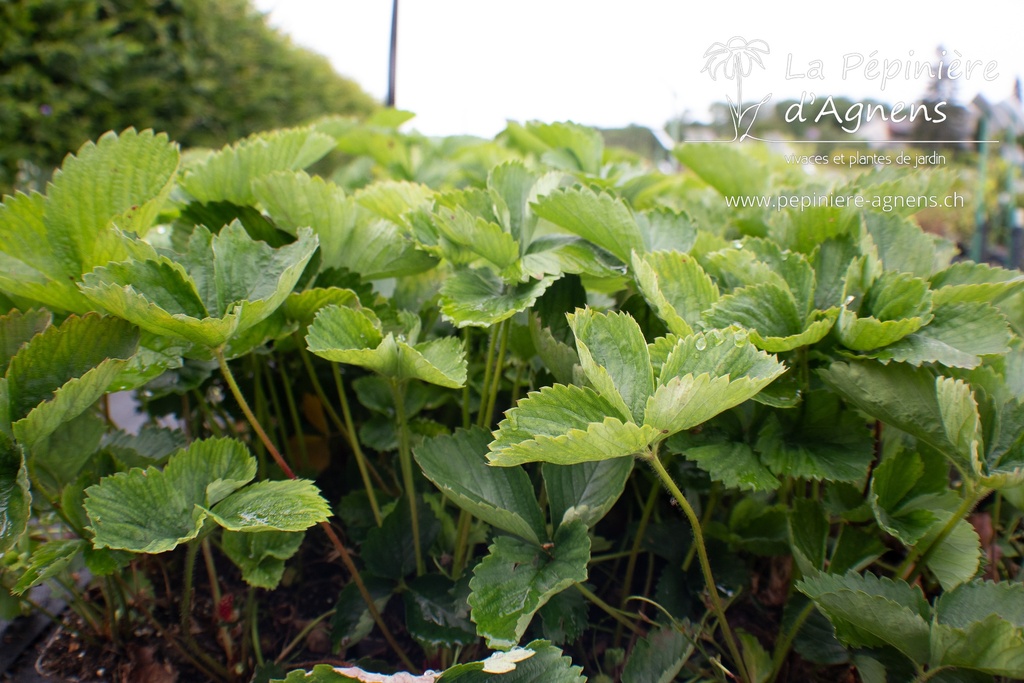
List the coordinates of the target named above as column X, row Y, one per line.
column 15, row 499
column 502, row 497
column 228, row 174
column 893, row 307
column 151, row 511
column 614, row 356
column 871, row 612
column 600, row 218
column 347, row 335
column 706, row 374
column 464, row 232
column 48, row 561
column 261, row 556
column 517, row 578
column 479, row 298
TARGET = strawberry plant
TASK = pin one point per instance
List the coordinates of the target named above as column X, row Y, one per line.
column 537, row 412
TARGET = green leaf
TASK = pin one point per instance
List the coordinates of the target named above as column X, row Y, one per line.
column 502, row 497
column 666, row 230
column 389, row 550
column 991, row 645
column 658, row 657
column 894, row 306
column 975, row 601
column 261, row 556
column 899, row 504
column 724, row 168
column 734, row 464
column 614, row 356
column 586, row 490
column 121, row 178
column 957, row 336
column 898, row 394
column 565, row 618
column 824, row 442
column 17, row 329
column 228, row 174
column 15, row 498
column 352, row 621
column 395, row 200
column 808, row 534
column 517, row 578
column 477, row 236
column 706, row 374
column 676, row 287
column 287, row 505
column 479, row 298
column 346, row 335
column 303, row 306
column 436, row 612
column 755, row 658
column 871, row 612
column 538, row 662
column 600, row 218
column 152, row 511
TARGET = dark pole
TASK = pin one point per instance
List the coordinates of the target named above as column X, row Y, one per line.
column 394, row 54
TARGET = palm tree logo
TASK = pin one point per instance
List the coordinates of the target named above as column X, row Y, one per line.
column 735, row 59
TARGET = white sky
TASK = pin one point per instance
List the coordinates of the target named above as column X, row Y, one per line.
column 467, row 66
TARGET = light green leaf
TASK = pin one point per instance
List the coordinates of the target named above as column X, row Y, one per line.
column 152, row 511
column 959, row 413
column 394, row 200
column 600, row 218
column 565, row 425
column 228, row 174
column 902, row 245
column 569, row 146
column 511, row 186
column 706, row 374
column 15, row 498
column 614, row 356
column 303, row 306
column 724, row 168
column 675, row 285
column 346, row 335
column 122, row 178
column 958, row 335
column 666, row 230
column 287, row 505
column 991, row 645
column 502, row 497
column 975, row 601
column 48, row 561
column 261, row 556
column 479, row 298
column 658, row 657
column 562, row 254
column 980, row 282
column 893, row 307
column 64, row 370
column 586, row 490
column 734, row 464
column 871, row 612
column 957, row 557
column 899, row 505
column 23, row 239
column 476, row 235
column 517, row 578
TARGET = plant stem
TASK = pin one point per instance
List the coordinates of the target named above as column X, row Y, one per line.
column 608, row 609
column 302, row 634
column 461, row 544
column 293, row 412
column 244, row 405
column 346, row 558
column 785, row 642
column 252, row 615
column 634, row 552
column 405, row 461
column 347, row 429
column 705, row 518
column 350, row 425
column 492, row 342
column 651, row 456
column 492, row 391
column 211, row 575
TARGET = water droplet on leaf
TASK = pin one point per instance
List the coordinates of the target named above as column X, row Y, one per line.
column 701, row 343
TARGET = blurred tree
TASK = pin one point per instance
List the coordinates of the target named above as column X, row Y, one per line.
column 205, row 71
